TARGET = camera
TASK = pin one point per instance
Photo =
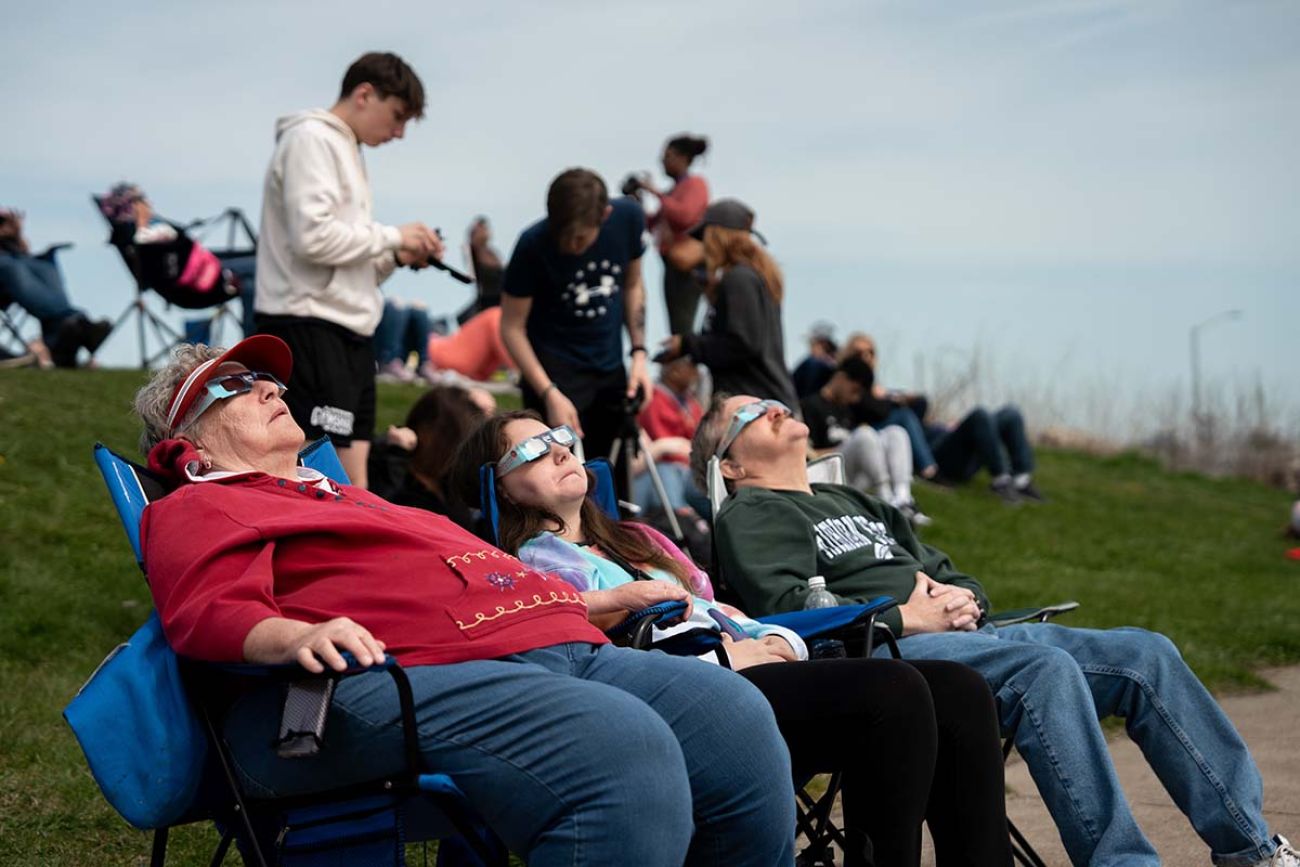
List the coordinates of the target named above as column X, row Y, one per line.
column 632, row 183
column 632, row 405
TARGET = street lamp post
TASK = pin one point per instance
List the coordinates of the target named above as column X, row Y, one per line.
column 1194, row 338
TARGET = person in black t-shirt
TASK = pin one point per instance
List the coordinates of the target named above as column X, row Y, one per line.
column 572, row 285
column 876, row 462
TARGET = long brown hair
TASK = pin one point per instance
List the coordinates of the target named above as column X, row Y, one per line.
column 518, row 523
column 440, row 419
column 726, row 248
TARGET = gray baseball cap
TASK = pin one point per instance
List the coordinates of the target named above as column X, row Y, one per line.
column 729, row 214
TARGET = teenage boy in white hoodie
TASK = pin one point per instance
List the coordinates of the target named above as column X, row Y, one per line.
column 322, row 255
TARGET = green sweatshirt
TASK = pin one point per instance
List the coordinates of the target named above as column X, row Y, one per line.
column 771, row 542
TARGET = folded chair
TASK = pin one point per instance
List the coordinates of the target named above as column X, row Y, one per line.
column 853, row 622
column 830, row 470
column 172, row 271
column 149, row 724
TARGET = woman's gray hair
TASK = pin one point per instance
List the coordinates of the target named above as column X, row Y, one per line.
column 154, row 399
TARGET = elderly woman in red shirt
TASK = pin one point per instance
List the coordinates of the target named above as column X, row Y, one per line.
column 525, row 704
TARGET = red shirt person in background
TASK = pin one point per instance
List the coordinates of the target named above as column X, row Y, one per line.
column 680, row 209
column 669, row 419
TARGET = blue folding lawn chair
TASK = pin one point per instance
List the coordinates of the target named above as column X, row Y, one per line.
column 148, row 723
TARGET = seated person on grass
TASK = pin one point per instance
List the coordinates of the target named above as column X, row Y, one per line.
column 877, row 462
column 35, row 283
column 669, row 417
column 1052, row 683
column 518, row 697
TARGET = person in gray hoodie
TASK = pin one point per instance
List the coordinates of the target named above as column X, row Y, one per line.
column 322, row 255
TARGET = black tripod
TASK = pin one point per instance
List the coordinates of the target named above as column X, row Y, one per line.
column 631, row 442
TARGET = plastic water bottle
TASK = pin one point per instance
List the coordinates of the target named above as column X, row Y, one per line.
column 818, row 595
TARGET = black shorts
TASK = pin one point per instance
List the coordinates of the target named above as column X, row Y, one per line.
column 332, row 390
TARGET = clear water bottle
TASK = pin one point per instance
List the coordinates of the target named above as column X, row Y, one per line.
column 818, row 595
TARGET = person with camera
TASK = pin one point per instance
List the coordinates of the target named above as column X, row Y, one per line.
column 323, row 255
column 680, row 208
column 572, row 286
column 35, row 284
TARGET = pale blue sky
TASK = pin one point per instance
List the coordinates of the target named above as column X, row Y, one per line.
column 1061, row 187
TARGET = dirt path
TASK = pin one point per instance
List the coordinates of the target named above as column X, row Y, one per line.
column 1270, row 723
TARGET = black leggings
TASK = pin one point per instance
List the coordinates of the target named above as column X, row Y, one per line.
column 916, row 740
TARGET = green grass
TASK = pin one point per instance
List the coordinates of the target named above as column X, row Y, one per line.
column 1198, row 559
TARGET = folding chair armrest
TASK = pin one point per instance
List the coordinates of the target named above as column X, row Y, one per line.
column 843, row 621
column 308, row 698
column 292, row 671
column 818, row 622
column 1027, row 615
column 637, row 628
column 49, row 252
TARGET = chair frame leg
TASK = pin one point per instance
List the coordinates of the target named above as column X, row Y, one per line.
column 158, row 853
column 1021, row 849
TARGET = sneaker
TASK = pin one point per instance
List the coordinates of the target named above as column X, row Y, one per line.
column 1006, row 490
column 395, row 371
column 67, row 340
column 1285, row 856
column 434, row 376
column 1029, row 491
column 912, row 512
column 93, row 334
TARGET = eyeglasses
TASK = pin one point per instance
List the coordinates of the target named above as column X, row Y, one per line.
column 743, row 416
column 534, row 447
column 230, row 385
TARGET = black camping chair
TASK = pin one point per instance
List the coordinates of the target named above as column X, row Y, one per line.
column 157, row 267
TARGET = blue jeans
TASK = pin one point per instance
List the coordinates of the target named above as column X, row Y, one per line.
column 36, row 285
column 995, row 441
column 906, row 418
column 573, row 754
column 677, row 482
column 402, row 329
column 1052, row 685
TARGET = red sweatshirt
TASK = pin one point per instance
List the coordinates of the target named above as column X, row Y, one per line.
column 666, row 415
column 680, row 210
column 224, row 555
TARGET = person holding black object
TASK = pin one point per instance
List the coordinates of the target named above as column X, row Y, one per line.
column 743, row 343
column 322, row 255
column 680, row 210
column 572, row 285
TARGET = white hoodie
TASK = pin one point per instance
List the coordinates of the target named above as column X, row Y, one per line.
column 320, row 253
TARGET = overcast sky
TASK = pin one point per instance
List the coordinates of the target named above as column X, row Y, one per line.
column 1060, row 189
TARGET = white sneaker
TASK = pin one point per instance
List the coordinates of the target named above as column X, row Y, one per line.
column 913, row 513
column 1285, row 856
column 395, row 371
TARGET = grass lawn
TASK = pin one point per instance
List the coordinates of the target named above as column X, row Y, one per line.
column 1197, row 559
